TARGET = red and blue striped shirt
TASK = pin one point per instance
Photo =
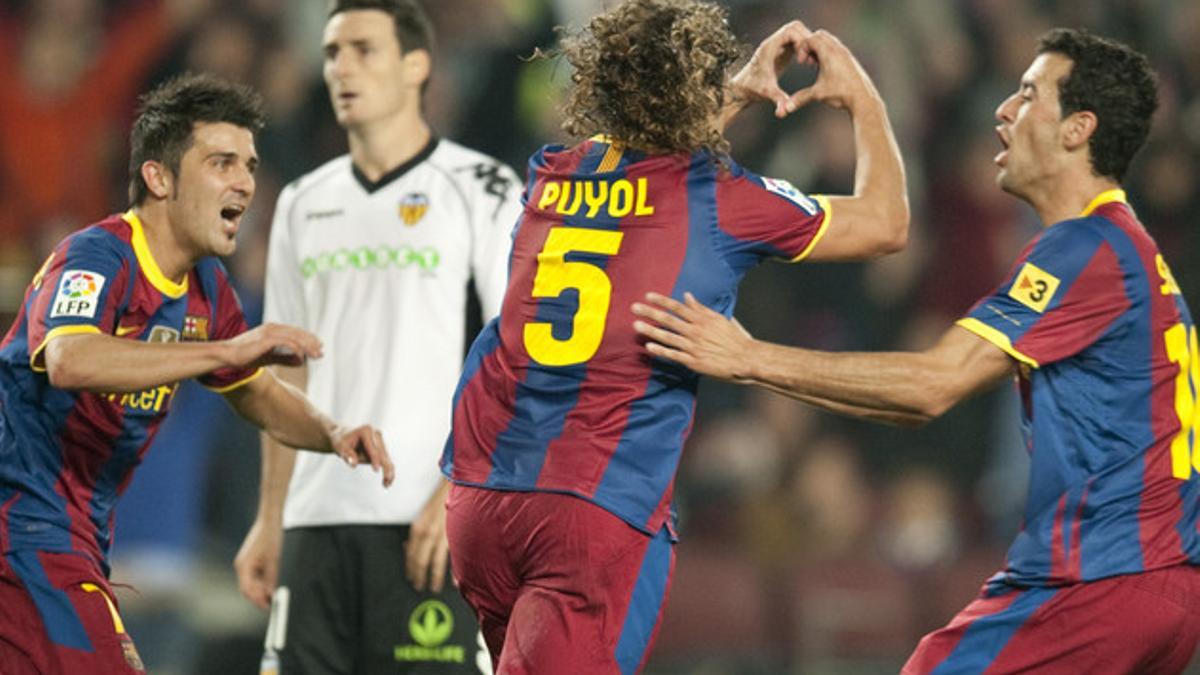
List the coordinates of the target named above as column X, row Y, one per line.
column 1108, row 382
column 65, row 456
column 557, row 393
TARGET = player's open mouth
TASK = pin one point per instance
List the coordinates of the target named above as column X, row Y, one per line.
column 1003, row 154
column 232, row 215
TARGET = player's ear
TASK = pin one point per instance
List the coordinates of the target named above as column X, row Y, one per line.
column 1078, row 128
column 158, row 178
column 417, row 66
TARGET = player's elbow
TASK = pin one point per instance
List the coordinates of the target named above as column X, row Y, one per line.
column 894, row 218
column 63, row 366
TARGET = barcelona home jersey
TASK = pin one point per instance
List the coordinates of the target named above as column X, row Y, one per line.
column 66, row 455
column 1108, row 382
column 557, row 393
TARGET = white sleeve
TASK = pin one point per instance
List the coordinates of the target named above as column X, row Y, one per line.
column 283, row 299
column 496, row 210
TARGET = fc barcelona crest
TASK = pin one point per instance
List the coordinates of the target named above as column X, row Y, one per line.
column 413, row 208
column 195, row 327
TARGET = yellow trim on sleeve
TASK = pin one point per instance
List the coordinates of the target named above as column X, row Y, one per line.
column 75, row 329
column 995, row 337
column 826, row 218
column 1116, row 195
column 147, row 262
column 240, row 383
column 118, row 625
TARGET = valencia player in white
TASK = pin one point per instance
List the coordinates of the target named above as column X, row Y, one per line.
column 373, row 253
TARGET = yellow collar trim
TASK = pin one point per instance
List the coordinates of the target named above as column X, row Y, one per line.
column 1115, row 195
column 147, row 262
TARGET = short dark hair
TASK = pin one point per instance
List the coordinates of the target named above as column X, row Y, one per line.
column 168, row 115
column 1113, row 81
column 413, row 29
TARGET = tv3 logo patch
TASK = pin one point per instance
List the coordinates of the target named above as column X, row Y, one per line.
column 1034, row 287
column 78, row 294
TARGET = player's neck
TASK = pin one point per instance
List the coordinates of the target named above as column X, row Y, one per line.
column 376, row 149
column 1067, row 195
column 168, row 252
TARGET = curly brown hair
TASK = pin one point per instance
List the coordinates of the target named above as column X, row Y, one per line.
column 651, row 74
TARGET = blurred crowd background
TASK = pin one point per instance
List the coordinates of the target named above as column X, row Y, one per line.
column 811, row 544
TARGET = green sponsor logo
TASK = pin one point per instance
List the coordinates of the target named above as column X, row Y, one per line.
column 425, row 259
column 430, row 625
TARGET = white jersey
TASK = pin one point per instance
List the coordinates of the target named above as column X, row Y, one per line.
column 379, row 273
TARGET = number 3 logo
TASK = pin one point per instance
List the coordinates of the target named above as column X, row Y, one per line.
column 555, row 275
column 1181, row 349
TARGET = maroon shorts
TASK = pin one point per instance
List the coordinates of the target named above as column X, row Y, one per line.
column 58, row 616
column 1138, row 623
column 559, row 584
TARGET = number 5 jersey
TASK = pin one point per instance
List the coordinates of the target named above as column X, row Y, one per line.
column 557, row 393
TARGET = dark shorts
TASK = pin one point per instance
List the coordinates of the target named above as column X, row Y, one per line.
column 58, row 616
column 560, row 584
column 344, row 605
column 1138, row 623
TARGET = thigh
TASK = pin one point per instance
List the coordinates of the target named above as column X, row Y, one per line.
column 314, row 608
column 404, row 630
column 480, row 558
column 60, row 616
column 594, row 599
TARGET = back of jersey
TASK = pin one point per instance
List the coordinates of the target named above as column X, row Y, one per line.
column 559, row 394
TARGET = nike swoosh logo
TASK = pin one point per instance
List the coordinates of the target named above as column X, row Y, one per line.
column 122, row 331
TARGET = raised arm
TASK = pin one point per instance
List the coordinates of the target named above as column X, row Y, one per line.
column 873, row 220
column 893, row 387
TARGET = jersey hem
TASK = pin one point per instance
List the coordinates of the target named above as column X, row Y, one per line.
column 996, row 338
column 39, row 366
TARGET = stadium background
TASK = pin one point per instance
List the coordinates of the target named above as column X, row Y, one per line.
column 811, row 544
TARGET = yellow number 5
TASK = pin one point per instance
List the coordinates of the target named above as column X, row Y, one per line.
column 555, row 275
column 1181, row 349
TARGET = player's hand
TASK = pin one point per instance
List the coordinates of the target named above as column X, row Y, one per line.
column 364, row 444
column 841, row 80
column 694, row 335
column 272, row 344
column 758, row 80
column 257, row 562
column 427, row 551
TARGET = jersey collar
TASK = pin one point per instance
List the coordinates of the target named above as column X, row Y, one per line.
column 147, row 262
column 374, row 186
column 1115, row 195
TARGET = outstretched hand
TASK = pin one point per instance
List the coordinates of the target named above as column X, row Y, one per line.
column 364, row 444
column 694, row 336
column 273, row 344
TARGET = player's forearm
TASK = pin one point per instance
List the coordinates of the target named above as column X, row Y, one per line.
column 893, row 417
column 894, row 387
column 284, row 413
column 278, row 461
column 879, row 206
column 103, row 363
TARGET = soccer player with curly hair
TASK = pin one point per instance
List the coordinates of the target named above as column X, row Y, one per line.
column 566, row 437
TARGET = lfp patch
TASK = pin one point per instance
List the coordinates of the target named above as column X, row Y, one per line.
column 1034, row 287
column 789, row 192
column 78, row 294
